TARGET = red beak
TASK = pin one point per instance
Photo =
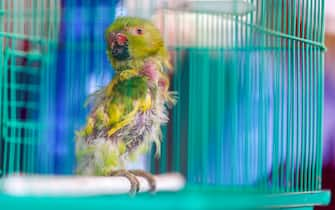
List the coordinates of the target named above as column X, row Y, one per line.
column 117, row 39
column 121, row 39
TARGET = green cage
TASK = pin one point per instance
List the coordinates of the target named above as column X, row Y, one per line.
column 247, row 129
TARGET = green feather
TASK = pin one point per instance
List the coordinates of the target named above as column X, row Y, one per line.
column 134, row 88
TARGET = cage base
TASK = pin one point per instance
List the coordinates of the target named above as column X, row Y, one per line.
column 192, row 197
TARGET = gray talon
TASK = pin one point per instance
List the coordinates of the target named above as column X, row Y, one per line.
column 134, row 183
column 149, row 177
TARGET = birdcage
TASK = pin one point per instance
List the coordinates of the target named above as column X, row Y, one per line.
column 246, row 131
column 29, row 40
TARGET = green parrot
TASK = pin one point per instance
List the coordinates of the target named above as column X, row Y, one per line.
column 127, row 114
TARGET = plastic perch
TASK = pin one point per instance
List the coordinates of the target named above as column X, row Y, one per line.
column 84, row 185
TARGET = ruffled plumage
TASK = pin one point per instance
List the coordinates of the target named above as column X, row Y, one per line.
column 128, row 113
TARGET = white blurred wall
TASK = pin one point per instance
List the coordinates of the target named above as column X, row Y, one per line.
column 330, row 16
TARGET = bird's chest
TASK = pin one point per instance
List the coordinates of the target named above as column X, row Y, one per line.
column 146, row 124
column 150, row 108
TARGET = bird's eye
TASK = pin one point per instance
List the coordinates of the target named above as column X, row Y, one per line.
column 139, row 31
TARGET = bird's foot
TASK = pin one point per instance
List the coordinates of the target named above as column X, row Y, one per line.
column 134, row 183
column 148, row 176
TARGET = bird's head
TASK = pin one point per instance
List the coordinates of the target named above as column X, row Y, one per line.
column 130, row 38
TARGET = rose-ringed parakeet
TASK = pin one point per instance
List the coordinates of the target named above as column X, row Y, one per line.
column 127, row 114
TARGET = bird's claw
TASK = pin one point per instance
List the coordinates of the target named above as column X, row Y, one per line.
column 134, row 183
column 149, row 177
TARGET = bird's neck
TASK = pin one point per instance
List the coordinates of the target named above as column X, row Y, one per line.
column 138, row 64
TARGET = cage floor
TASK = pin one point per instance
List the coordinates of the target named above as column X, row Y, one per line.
column 192, row 197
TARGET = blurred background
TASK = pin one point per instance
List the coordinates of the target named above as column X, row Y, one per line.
column 104, row 13
column 329, row 111
column 80, row 47
column 103, row 16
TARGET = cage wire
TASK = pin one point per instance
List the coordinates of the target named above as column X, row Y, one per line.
column 251, row 92
column 28, row 40
column 249, row 74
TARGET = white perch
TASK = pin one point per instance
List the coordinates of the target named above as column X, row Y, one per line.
column 84, row 186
